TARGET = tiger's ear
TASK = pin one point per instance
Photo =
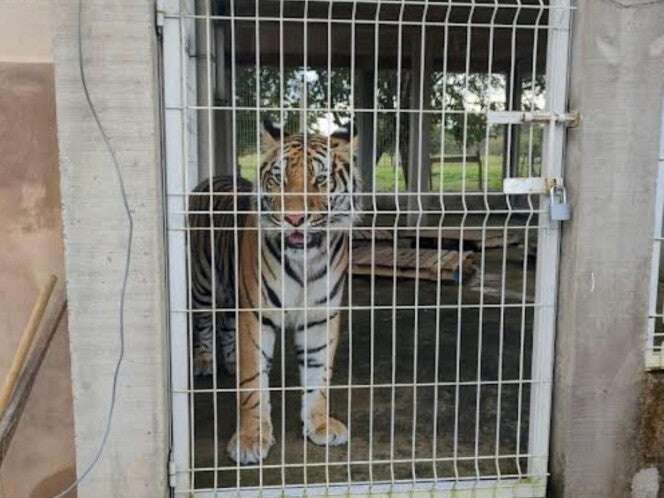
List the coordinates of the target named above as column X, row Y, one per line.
column 271, row 136
column 340, row 140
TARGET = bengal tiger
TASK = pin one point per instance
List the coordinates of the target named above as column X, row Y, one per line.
column 306, row 188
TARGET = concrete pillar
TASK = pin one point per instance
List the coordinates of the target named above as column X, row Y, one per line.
column 419, row 127
column 119, row 53
column 617, row 82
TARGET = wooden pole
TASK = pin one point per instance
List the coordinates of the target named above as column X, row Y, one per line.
column 513, row 102
column 205, row 118
column 26, row 341
column 365, row 125
column 17, row 401
column 223, row 120
column 517, row 102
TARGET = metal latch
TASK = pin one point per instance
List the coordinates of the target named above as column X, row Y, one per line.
column 530, row 185
column 172, row 474
column 569, row 119
column 560, row 209
column 159, row 14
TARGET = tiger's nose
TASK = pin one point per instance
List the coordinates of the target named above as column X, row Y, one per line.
column 295, row 219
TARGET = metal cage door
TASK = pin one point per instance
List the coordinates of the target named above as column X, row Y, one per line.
column 490, row 389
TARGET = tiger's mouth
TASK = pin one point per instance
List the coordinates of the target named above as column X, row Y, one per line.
column 297, row 239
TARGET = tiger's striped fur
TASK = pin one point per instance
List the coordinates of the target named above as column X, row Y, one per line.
column 292, row 269
column 201, row 258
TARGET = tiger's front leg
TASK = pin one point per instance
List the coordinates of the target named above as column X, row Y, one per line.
column 316, row 360
column 252, row 441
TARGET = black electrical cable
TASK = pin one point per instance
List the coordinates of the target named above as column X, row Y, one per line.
column 130, row 235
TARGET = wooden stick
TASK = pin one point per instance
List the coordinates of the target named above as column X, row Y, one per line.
column 26, row 341
column 12, row 415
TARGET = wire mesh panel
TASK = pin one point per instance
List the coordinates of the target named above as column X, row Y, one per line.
column 654, row 344
column 357, row 303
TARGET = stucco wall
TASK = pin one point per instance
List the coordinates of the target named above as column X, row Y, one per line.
column 26, row 33
column 41, row 459
column 31, row 249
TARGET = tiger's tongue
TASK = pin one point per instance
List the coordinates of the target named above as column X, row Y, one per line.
column 296, row 238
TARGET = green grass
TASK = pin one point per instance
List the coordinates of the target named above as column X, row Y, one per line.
column 453, row 177
column 248, row 166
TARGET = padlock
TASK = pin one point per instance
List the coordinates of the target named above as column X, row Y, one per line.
column 560, row 208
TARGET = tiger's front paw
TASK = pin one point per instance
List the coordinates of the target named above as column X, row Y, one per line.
column 250, row 446
column 203, row 363
column 330, row 432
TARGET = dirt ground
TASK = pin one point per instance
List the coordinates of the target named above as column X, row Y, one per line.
column 479, row 426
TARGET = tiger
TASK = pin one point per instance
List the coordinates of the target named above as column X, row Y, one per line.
column 293, row 242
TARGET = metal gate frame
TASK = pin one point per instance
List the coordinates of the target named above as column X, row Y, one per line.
column 180, row 133
column 654, row 352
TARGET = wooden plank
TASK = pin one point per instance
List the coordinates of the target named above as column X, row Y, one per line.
column 473, row 237
column 430, row 260
column 369, row 235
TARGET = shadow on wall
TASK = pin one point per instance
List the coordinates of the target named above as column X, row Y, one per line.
column 54, row 484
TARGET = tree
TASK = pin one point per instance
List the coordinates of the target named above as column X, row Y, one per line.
column 472, row 95
column 466, row 98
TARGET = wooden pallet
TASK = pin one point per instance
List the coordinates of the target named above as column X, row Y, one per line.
column 427, row 267
column 472, row 238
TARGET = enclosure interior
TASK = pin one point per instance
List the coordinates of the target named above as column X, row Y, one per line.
column 433, row 370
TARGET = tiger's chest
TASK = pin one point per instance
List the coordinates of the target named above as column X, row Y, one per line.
column 304, row 288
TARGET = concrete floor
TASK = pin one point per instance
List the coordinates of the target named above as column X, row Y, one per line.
column 483, row 430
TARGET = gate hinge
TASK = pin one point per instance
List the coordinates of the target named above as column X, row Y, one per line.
column 159, row 15
column 569, row 119
column 172, row 474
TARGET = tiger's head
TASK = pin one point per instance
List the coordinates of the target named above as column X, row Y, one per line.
column 304, row 192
